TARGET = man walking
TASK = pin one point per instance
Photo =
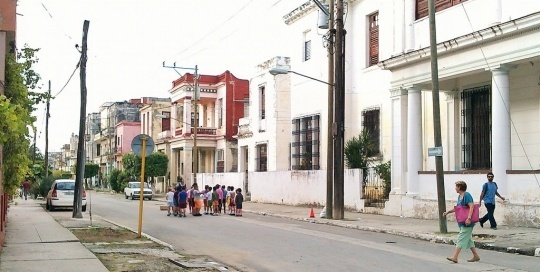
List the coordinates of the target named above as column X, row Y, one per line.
column 26, row 189
column 489, row 191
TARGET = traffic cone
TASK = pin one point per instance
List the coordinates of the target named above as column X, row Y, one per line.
column 311, row 214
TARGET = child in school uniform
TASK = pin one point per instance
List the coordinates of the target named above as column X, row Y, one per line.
column 238, row 199
column 170, row 203
column 215, row 201
column 232, row 204
column 175, row 201
column 182, row 202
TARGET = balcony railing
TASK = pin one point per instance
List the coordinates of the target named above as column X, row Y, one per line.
column 164, row 135
column 200, row 131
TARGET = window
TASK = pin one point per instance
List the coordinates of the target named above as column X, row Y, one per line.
column 422, row 6
column 261, row 158
column 220, row 113
column 246, row 108
column 476, row 128
column 220, row 161
column 262, row 99
column 166, row 121
column 371, row 123
column 143, row 123
column 193, row 124
column 373, row 39
column 307, row 46
column 305, row 145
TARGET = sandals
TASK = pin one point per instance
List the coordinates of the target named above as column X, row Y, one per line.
column 452, row 260
column 474, row 259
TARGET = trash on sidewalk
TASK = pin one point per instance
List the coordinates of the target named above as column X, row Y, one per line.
column 323, row 213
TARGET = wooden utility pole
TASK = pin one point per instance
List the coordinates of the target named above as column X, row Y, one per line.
column 77, row 200
column 330, row 134
column 196, row 124
column 436, row 115
column 47, row 132
column 339, row 114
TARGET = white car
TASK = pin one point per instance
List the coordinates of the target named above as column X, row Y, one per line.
column 61, row 195
column 132, row 190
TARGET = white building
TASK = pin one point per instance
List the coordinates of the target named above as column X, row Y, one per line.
column 488, row 54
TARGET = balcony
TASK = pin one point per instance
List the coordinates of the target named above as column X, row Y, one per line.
column 164, row 135
column 244, row 128
column 200, row 131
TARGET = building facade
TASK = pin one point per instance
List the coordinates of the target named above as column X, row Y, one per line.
column 220, row 106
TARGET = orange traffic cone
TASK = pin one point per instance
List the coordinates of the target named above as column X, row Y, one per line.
column 311, row 214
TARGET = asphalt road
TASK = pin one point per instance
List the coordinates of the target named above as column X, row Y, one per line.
column 262, row 243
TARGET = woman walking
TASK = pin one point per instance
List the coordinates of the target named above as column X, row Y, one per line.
column 465, row 240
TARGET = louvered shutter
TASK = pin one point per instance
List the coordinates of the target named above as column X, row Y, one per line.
column 373, row 39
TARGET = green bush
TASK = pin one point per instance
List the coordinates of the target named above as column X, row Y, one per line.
column 384, row 171
column 45, row 185
column 113, row 179
column 123, row 179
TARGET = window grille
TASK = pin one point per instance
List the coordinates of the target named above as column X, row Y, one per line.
column 306, row 143
column 476, row 128
column 307, row 50
column 262, row 158
column 371, row 122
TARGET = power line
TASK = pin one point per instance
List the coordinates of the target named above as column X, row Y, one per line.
column 74, row 70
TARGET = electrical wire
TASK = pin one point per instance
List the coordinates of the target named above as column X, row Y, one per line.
column 504, row 103
column 74, row 70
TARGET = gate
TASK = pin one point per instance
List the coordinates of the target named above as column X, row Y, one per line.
column 375, row 193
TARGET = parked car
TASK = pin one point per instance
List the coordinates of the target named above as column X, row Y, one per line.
column 132, row 190
column 61, row 194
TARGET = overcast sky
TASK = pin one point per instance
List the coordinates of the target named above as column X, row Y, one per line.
column 128, row 40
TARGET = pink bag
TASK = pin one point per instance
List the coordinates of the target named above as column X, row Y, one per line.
column 462, row 212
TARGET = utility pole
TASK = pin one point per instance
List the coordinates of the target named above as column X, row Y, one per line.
column 436, row 115
column 196, row 124
column 339, row 114
column 330, row 133
column 77, row 200
column 34, row 155
column 47, row 132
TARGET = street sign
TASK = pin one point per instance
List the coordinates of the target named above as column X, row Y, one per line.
column 136, row 145
column 435, row 151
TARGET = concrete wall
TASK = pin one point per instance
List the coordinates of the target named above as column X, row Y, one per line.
column 521, row 208
column 289, row 187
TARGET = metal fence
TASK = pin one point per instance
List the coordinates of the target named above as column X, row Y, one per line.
column 375, row 191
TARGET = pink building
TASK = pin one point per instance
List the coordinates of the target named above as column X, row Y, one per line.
column 125, row 132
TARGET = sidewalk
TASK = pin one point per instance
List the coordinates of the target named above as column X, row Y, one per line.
column 509, row 239
column 36, row 242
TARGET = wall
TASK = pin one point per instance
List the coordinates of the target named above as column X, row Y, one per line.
column 290, row 187
column 521, row 208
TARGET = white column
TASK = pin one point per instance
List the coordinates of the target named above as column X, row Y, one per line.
column 496, row 12
column 500, row 134
column 410, row 18
column 187, row 116
column 414, row 139
column 399, row 135
column 174, row 110
column 211, row 114
column 173, row 166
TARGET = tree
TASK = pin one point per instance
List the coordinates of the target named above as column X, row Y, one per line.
column 90, row 171
column 156, row 165
column 16, row 107
column 358, row 150
column 132, row 165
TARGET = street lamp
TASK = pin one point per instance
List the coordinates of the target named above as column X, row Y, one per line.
column 281, row 71
column 195, row 149
column 329, row 145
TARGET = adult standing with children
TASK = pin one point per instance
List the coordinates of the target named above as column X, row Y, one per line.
column 465, row 239
column 489, row 191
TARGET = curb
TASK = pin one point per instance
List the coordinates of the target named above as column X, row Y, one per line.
column 142, row 233
column 420, row 236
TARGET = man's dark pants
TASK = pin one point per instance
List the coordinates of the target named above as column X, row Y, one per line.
column 489, row 216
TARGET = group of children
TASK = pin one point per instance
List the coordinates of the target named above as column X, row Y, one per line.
column 213, row 199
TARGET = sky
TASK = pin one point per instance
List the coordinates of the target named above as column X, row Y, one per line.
column 128, row 41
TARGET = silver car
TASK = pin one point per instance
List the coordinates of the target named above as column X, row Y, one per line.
column 61, row 195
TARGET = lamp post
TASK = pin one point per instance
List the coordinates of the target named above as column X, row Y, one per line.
column 329, row 149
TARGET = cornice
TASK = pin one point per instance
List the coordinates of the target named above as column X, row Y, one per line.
column 520, row 26
column 304, row 9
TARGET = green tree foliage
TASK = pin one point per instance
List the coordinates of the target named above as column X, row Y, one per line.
column 113, row 180
column 90, row 170
column 16, row 106
column 155, row 165
column 132, row 165
column 358, row 150
column 384, row 171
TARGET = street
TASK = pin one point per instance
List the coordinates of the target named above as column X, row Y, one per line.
column 264, row 243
